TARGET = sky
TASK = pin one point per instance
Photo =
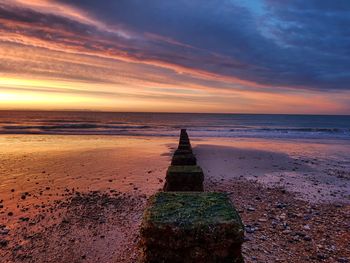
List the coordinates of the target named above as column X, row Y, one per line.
column 252, row 56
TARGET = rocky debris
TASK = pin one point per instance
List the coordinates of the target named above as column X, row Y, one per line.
column 281, row 228
column 97, row 226
column 342, row 174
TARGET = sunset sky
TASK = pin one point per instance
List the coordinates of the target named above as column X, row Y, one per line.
column 253, row 56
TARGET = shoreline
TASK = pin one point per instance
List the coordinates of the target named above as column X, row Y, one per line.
column 99, row 220
column 306, row 140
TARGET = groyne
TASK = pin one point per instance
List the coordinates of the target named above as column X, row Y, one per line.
column 185, row 224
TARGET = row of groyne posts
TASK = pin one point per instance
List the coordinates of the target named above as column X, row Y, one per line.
column 183, row 223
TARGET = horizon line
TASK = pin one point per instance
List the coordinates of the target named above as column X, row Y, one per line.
column 163, row 112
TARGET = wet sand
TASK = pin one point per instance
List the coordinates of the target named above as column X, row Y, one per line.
column 81, row 198
column 293, row 197
column 49, row 210
column 315, row 172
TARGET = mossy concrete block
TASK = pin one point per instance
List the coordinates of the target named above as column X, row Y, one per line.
column 184, row 178
column 184, row 147
column 181, row 152
column 191, row 227
column 183, row 132
column 184, row 141
column 184, row 136
column 184, row 159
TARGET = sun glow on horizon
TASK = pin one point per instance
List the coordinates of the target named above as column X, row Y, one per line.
column 55, row 94
column 35, row 100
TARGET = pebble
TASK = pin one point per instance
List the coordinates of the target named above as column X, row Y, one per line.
column 307, row 238
column 282, row 216
column 321, row 256
column 246, row 239
column 3, row 243
column 4, row 231
column 250, row 229
column 306, row 227
column 17, row 247
column 280, row 205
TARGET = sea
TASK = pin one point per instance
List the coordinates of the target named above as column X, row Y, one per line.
column 168, row 124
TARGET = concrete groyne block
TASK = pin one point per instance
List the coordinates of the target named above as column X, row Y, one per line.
column 183, row 135
column 184, row 141
column 184, row 147
column 184, row 159
column 181, row 152
column 191, row 227
column 184, row 178
column 183, row 132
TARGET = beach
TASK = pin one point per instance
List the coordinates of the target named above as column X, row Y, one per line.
column 81, row 198
column 174, row 131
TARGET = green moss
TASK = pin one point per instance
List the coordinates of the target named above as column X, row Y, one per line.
column 191, row 227
column 191, row 209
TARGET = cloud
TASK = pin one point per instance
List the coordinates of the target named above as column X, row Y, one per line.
column 282, row 43
column 182, row 47
column 282, row 46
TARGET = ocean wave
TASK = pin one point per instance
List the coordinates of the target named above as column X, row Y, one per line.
column 330, row 130
column 198, row 125
column 73, row 126
column 149, row 130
